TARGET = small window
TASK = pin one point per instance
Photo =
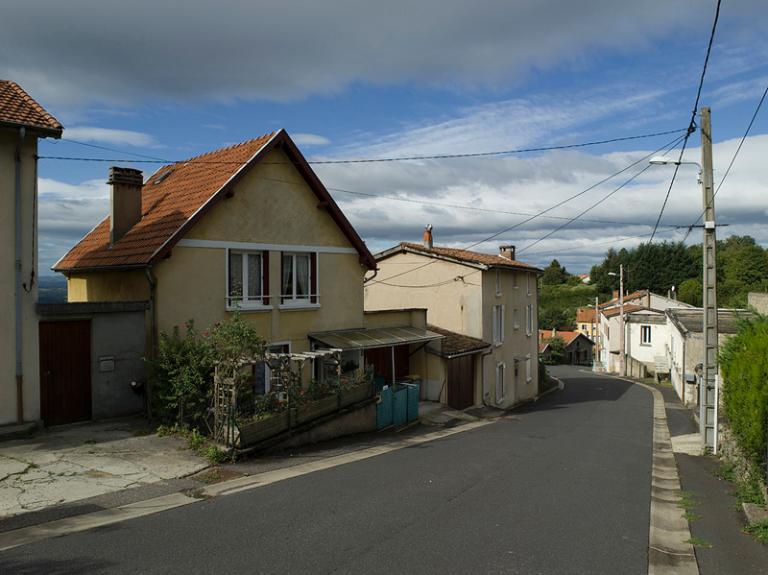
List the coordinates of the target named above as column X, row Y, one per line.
column 516, row 318
column 498, row 282
column 298, row 278
column 500, row 367
column 645, row 334
column 514, row 279
column 528, row 375
column 528, row 319
column 498, row 324
column 247, row 282
column 528, row 283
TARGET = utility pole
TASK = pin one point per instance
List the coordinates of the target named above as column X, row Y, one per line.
column 622, row 335
column 596, row 336
column 707, row 391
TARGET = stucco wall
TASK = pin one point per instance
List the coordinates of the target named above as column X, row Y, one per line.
column 463, row 315
column 759, row 301
column 107, row 286
column 647, row 353
column 30, row 361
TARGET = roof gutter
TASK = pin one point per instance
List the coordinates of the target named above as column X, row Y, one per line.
column 18, row 281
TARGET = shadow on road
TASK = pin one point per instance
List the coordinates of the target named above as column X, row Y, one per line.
column 75, row 566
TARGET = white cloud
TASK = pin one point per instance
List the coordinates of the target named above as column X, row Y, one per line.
column 310, row 140
column 109, row 136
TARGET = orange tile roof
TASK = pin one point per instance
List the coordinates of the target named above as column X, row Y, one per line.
column 170, row 206
column 17, row 108
column 466, row 256
column 585, row 315
column 628, row 307
column 566, row 336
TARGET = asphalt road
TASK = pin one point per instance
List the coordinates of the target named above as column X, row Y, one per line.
column 560, row 487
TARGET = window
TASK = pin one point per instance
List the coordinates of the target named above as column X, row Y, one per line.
column 528, row 368
column 298, row 278
column 247, row 279
column 498, row 282
column 262, row 373
column 516, row 318
column 645, row 335
column 500, row 382
column 528, row 319
column 498, row 324
column 514, row 279
column 528, row 283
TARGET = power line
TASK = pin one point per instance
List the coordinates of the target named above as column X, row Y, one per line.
column 692, row 123
column 150, row 159
column 594, row 205
column 517, row 225
column 733, row 159
column 608, row 242
column 78, row 142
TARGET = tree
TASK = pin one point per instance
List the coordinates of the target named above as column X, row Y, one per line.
column 556, row 349
column 556, row 317
column 554, row 274
column 690, row 291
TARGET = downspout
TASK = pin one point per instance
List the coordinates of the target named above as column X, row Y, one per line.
column 152, row 281
column 18, row 282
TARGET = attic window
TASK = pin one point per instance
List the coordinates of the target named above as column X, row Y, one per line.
column 163, row 176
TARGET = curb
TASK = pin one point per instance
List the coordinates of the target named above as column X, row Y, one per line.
column 669, row 549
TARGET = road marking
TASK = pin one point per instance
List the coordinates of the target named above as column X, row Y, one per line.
column 26, row 535
column 34, row 533
column 669, row 549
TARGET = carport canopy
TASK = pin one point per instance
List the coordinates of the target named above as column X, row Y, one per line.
column 349, row 339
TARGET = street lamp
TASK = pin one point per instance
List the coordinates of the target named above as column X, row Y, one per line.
column 622, row 356
column 708, row 390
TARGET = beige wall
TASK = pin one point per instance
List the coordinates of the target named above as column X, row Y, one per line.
column 30, row 361
column 463, row 315
column 467, row 307
column 108, row 286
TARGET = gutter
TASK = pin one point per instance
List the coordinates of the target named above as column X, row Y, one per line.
column 18, row 280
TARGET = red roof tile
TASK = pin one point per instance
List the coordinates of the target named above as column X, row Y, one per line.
column 17, row 108
column 464, row 256
column 171, row 205
column 585, row 315
column 566, row 336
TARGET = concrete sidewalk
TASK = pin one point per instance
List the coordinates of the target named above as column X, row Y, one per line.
column 78, row 462
column 717, row 522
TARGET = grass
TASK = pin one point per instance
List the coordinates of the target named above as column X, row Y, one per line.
column 690, row 516
column 699, row 542
column 726, row 471
column 759, row 531
column 687, row 500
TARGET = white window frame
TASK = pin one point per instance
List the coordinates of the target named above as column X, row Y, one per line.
column 291, row 300
column 645, row 329
column 528, row 282
column 515, row 280
column 515, row 318
column 498, row 283
column 498, row 324
column 528, row 372
column 528, row 320
column 500, row 381
column 243, row 302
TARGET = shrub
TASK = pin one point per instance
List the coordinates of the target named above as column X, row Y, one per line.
column 744, row 363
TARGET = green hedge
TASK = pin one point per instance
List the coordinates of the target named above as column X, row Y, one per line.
column 744, row 364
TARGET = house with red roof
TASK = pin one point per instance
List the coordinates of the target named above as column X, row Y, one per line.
column 491, row 298
column 577, row 349
column 23, row 121
column 248, row 228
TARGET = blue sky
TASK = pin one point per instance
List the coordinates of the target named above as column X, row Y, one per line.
column 348, row 80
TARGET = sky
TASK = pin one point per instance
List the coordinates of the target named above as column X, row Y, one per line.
column 349, row 79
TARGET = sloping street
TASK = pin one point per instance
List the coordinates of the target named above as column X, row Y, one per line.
column 562, row 486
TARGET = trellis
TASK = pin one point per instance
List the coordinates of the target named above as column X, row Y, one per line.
column 285, row 376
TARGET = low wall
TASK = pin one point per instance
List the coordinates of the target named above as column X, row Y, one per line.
column 636, row 368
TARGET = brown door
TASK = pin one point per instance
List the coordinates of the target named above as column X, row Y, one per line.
column 65, row 371
column 461, row 382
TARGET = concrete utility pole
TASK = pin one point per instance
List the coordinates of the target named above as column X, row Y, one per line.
column 596, row 336
column 622, row 335
column 707, row 391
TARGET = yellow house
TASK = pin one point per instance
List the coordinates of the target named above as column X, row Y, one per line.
column 489, row 298
column 246, row 227
column 22, row 122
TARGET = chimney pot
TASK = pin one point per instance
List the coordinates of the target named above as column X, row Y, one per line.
column 124, row 200
column 427, row 238
column 507, row 251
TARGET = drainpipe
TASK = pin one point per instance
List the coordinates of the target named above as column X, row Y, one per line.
column 152, row 281
column 18, row 286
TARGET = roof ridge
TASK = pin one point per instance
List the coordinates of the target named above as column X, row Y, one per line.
column 34, row 104
column 224, row 149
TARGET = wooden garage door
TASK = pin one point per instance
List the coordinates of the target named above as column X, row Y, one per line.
column 461, row 380
column 65, row 371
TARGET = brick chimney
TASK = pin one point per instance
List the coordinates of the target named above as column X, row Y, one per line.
column 124, row 200
column 615, row 294
column 507, row 251
column 427, row 238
